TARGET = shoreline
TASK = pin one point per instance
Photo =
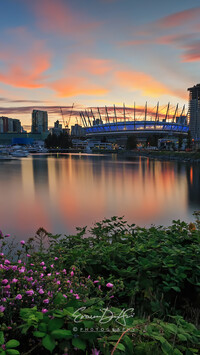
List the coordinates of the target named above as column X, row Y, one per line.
column 187, row 157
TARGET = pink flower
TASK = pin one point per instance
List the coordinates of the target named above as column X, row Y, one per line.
column 58, row 282
column 49, row 274
column 2, row 308
column 52, row 265
column 64, row 296
column 71, row 291
column 19, row 261
column 29, row 278
column 28, row 255
column 1, row 254
column 95, row 352
column 95, row 281
column 88, row 276
column 44, row 310
column 42, row 263
column 44, row 267
column 14, row 280
column 30, row 292
column 22, row 242
column 18, row 297
column 72, row 273
column 14, row 267
column 41, row 291
column 55, row 258
column 4, row 282
column 7, row 235
column 77, row 297
column 64, row 271
column 22, row 269
column 46, row 300
column 109, row 285
column 7, row 262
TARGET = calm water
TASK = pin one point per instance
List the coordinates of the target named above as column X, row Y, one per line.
column 61, row 192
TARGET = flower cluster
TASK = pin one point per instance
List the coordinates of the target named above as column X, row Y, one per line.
column 38, row 282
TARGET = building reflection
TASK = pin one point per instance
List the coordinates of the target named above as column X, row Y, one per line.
column 62, row 192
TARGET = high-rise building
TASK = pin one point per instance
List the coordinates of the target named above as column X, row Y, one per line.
column 194, row 111
column 57, row 129
column 17, row 126
column 9, row 125
column 39, row 121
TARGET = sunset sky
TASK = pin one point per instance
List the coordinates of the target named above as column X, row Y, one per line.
column 94, row 53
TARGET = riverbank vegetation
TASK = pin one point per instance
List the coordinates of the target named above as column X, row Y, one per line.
column 118, row 289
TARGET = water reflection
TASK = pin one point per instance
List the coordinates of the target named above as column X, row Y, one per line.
column 65, row 191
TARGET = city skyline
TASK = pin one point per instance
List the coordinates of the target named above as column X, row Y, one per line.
column 55, row 53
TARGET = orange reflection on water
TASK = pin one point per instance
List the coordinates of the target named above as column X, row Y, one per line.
column 191, row 175
column 60, row 193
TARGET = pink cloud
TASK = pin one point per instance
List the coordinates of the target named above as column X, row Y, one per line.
column 89, row 65
column 178, row 19
column 57, row 17
column 24, row 62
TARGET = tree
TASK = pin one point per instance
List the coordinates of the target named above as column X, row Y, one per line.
column 131, row 142
column 62, row 141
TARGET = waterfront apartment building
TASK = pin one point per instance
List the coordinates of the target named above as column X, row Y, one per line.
column 9, row 125
column 194, row 111
column 39, row 121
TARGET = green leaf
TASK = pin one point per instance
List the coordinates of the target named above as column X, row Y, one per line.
column 129, row 344
column 39, row 334
column 113, row 337
column 177, row 352
column 119, row 346
column 61, row 333
column 12, row 344
column 12, row 352
column 79, row 343
column 182, row 337
column 55, row 323
column 1, row 338
column 48, row 343
column 167, row 348
column 88, row 324
column 175, row 288
column 43, row 327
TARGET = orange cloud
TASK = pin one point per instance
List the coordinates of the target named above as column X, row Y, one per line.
column 56, row 17
column 93, row 66
column 24, row 62
column 73, row 86
column 145, row 83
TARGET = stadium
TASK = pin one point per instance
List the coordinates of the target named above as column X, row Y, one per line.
column 120, row 122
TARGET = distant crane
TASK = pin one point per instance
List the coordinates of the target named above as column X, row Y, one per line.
column 66, row 124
